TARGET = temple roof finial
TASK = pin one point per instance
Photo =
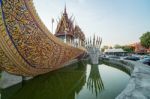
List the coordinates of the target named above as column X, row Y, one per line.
column 65, row 9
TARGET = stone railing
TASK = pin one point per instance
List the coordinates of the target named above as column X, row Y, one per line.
column 139, row 83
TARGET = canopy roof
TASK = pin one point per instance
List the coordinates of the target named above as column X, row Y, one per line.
column 114, row 50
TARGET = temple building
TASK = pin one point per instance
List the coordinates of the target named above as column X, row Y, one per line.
column 65, row 28
column 79, row 35
column 68, row 32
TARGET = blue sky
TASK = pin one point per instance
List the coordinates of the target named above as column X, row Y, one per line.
column 116, row 21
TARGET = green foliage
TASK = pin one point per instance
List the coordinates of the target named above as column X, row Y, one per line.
column 145, row 40
column 117, row 46
column 104, row 47
column 128, row 49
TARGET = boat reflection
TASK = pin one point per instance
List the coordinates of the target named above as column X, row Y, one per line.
column 60, row 84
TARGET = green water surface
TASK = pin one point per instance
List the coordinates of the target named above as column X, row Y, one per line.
column 78, row 81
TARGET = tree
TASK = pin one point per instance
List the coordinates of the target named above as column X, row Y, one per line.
column 104, row 47
column 145, row 40
column 129, row 49
column 117, row 46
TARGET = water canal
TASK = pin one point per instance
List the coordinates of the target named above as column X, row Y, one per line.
column 78, row 81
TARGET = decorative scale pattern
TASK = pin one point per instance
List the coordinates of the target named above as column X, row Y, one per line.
column 27, row 41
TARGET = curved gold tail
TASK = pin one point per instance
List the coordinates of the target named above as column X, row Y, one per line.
column 26, row 46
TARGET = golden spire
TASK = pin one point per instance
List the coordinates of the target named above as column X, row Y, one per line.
column 65, row 9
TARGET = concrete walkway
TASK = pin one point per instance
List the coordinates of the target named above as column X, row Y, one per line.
column 139, row 84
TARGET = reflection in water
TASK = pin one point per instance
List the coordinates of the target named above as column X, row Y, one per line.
column 127, row 71
column 94, row 82
column 77, row 81
column 61, row 84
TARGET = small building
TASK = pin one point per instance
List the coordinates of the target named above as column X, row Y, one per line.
column 139, row 49
column 115, row 52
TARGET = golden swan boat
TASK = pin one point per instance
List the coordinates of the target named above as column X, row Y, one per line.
column 27, row 48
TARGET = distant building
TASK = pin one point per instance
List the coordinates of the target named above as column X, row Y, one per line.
column 69, row 33
column 139, row 48
column 116, row 52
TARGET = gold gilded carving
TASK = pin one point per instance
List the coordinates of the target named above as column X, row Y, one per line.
column 6, row 64
column 32, row 49
column 4, row 61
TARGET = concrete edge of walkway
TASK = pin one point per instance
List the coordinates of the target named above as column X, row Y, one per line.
column 139, row 83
